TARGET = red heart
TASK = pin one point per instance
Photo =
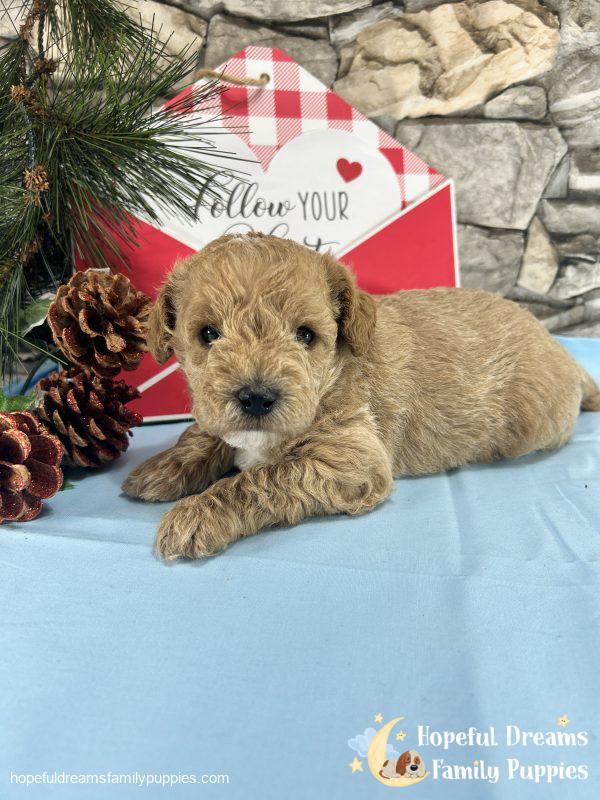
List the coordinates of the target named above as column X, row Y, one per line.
column 349, row 170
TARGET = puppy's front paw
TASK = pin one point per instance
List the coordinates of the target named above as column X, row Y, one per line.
column 191, row 529
column 158, row 479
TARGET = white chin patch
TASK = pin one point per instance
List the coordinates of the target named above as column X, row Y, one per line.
column 251, row 446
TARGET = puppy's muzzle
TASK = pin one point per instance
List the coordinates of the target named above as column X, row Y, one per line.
column 257, row 401
column 414, row 767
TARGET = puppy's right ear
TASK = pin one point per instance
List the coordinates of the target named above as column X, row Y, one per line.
column 161, row 323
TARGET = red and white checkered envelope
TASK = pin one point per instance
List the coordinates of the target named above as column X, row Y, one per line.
column 319, row 172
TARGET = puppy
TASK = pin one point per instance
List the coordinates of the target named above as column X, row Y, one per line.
column 322, row 394
column 408, row 765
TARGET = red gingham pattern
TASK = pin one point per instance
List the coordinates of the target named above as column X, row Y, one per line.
column 293, row 102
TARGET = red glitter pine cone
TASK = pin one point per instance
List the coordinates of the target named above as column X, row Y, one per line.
column 88, row 414
column 29, row 466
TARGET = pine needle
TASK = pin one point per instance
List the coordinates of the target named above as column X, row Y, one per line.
column 85, row 147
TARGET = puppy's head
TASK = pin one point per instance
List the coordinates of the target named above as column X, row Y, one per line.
column 410, row 764
column 259, row 325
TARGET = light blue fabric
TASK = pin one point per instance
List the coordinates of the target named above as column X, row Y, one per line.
column 468, row 599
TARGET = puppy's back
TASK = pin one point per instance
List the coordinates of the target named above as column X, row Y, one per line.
column 477, row 378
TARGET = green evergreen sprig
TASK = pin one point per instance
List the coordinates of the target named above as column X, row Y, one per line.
column 85, row 142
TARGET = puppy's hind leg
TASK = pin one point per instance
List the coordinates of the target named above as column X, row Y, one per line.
column 591, row 393
column 196, row 461
column 587, row 399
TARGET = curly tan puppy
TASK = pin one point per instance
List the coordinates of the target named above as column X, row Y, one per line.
column 322, row 394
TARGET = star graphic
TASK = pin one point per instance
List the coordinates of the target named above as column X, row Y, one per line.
column 356, row 765
column 563, row 721
column 378, row 718
column 401, row 736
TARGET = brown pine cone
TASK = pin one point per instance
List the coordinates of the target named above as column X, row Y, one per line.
column 29, row 466
column 99, row 320
column 88, row 415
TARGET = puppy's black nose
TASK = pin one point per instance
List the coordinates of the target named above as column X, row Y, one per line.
column 257, row 400
column 414, row 767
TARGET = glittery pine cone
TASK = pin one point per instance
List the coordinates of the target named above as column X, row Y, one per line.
column 99, row 321
column 88, row 414
column 29, row 466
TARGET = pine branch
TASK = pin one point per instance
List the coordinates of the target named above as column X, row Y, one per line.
column 93, row 25
column 84, row 145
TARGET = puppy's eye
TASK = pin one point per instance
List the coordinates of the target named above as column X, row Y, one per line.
column 305, row 335
column 210, row 334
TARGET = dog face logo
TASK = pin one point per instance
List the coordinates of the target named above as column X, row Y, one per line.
column 408, row 765
column 392, row 769
column 260, row 326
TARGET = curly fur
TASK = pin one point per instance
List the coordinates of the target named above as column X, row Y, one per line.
column 407, row 384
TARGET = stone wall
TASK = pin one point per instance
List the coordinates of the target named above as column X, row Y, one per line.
column 501, row 95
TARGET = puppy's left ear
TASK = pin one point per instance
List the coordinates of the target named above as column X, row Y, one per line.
column 356, row 311
column 402, row 763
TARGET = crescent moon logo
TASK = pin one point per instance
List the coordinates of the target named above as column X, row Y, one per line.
column 377, row 756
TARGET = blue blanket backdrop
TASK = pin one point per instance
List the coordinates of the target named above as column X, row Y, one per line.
column 469, row 600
